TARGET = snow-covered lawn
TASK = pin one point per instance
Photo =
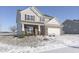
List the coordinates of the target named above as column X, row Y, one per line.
column 70, row 40
column 36, row 44
column 28, row 44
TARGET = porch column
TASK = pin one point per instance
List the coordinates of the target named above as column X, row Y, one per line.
column 46, row 30
column 23, row 27
column 38, row 29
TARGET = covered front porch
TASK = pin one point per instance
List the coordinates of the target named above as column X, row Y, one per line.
column 33, row 29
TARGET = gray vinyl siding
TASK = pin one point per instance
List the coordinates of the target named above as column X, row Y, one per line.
column 71, row 27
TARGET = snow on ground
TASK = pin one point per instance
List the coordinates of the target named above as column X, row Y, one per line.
column 28, row 45
column 34, row 44
column 70, row 40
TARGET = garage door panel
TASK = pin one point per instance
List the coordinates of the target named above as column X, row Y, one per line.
column 54, row 31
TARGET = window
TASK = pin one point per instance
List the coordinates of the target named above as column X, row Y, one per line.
column 26, row 17
column 29, row 17
column 32, row 17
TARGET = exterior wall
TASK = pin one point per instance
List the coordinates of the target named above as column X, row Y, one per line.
column 54, row 27
column 21, row 17
column 54, row 21
column 34, row 29
column 21, row 21
column 18, row 21
column 19, row 29
column 29, row 12
column 46, row 30
column 71, row 27
column 42, row 30
column 46, row 20
column 37, row 29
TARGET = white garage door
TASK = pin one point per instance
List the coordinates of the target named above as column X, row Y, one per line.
column 55, row 31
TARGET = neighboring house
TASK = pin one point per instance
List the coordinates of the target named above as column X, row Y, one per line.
column 32, row 22
column 71, row 27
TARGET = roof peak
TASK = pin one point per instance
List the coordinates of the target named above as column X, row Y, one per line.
column 40, row 12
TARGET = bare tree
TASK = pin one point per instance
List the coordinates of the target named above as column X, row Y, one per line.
column 13, row 29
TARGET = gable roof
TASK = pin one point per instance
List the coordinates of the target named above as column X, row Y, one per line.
column 54, row 21
column 46, row 15
column 71, row 22
column 34, row 8
column 38, row 13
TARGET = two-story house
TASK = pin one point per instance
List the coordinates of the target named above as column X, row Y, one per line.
column 32, row 22
column 71, row 26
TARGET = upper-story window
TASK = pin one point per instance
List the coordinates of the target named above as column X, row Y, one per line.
column 42, row 19
column 29, row 17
